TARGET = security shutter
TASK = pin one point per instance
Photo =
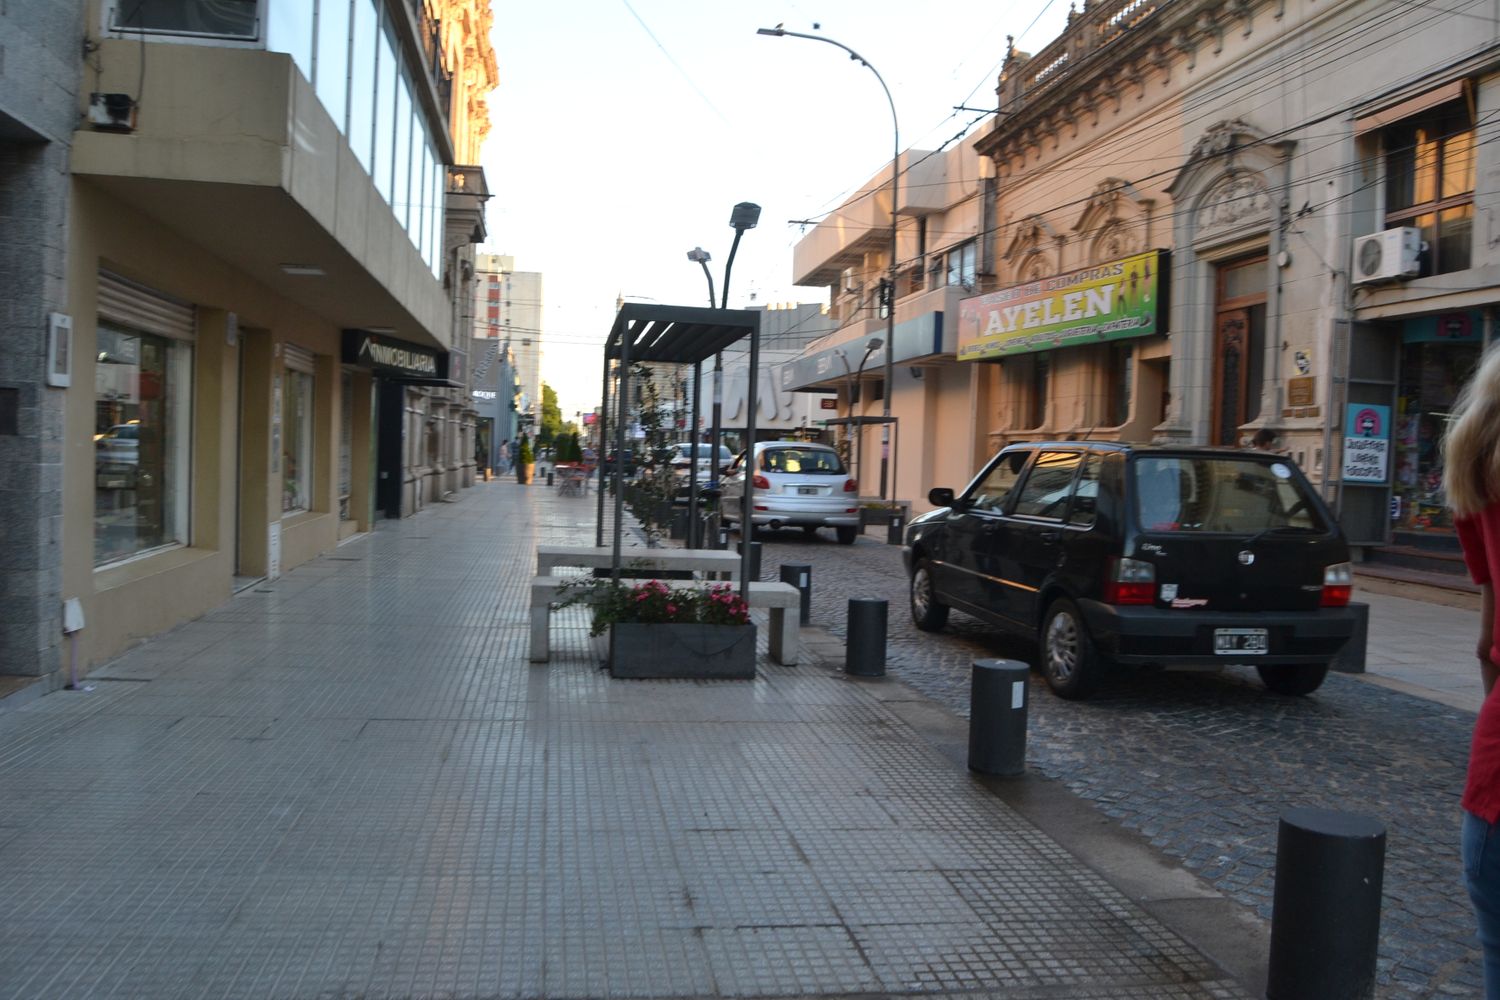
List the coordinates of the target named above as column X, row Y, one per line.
column 298, row 359
column 140, row 308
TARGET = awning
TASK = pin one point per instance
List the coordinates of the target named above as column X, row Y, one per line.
column 827, row 362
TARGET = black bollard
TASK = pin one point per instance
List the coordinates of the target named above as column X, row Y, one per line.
column 549, row 477
column 864, row 653
column 799, row 575
column 1325, row 917
column 1351, row 659
column 997, row 717
column 893, row 530
column 754, row 558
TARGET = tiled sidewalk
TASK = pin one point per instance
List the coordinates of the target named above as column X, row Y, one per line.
column 350, row 782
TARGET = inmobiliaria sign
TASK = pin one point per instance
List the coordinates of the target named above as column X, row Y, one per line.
column 1124, row 298
column 392, row 358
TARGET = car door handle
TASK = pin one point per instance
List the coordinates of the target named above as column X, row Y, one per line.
column 1051, row 535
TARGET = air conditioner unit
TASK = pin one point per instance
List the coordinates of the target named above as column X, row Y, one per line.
column 112, row 112
column 851, row 281
column 1388, row 256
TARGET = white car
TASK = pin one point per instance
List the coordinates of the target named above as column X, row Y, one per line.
column 795, row 484
column 681, row 464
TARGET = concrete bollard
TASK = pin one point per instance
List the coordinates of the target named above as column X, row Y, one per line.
column 864, row 652
column 894, row 529
column 997, row 716
column 754, row 558
column 1325, row 917
column 799, row 575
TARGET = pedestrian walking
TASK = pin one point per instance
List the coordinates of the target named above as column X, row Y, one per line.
column 1471, row 458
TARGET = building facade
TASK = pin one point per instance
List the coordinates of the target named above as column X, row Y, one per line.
column 262, row 230
column 40, row 77
column 508, row 306
column 1199, row 220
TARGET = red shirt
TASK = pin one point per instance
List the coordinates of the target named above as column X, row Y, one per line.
column 1480, row 537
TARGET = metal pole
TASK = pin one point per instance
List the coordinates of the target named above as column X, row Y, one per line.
column 747, row 509
column 890, row 319
column 599, row 456
column 694, row 528
column 619, row 474
column 718, row 406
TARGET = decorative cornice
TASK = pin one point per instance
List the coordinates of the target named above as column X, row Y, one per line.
column 1108, row 47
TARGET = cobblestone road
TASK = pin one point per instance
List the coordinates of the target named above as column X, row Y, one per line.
column 1203, row 764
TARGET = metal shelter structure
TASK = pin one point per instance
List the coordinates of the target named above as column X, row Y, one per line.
column 679, row 335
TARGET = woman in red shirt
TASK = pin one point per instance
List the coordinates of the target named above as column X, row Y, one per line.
column 1471, row 477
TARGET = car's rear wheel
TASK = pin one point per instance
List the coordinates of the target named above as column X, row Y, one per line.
column 927, row 613
column 847, row 534
column 1070, row 662
column 1290, row 679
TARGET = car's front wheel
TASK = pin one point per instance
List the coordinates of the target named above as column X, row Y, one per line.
column 927, row 613
column 1290, row 679
column 1070, row 662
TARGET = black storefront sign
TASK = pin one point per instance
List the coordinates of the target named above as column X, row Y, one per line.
column 397, row 360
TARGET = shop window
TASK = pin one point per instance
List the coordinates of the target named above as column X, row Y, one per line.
column 1239, row 347
column 1036, row 398
column 1117, row 386
column 296, row 442
column 1429, row 183
column 1432, row 372
column 346, row 444
column 142, row 407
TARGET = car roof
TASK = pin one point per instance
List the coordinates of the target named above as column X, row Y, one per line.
column 793, row 444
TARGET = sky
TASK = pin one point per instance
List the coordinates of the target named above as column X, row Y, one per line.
column 625, row 131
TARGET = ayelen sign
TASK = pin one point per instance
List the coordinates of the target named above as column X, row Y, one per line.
column 392, row 358
column 1123, row 298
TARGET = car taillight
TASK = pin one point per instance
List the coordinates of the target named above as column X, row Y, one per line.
column 1130, row 581
column 760, row 482
column 850, row 486
column 1338, row 584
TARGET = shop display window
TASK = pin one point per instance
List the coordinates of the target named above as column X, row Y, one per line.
column 296, row 442
column 1431, row 376
column 142, row 405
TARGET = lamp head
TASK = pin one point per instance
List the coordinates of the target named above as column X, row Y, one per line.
column 698, row 255
column 778, row 31
column 874, row 344
column 745, row 216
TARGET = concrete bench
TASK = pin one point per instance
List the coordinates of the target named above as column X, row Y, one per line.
column 717, row 563
column 782, row 602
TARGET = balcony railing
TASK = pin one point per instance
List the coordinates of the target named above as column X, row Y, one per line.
column 1100, row 24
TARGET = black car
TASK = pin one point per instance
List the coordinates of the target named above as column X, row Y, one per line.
column 629, row 465
column 1111, row 554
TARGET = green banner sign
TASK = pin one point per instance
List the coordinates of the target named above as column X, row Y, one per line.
column 1124, row 298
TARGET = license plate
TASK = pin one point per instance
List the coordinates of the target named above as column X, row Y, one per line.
column 807, row 491
column 1244, row 641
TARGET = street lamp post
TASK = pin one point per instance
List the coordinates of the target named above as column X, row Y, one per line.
column 890, row 316
column 701, row 257
column 871, row 346
column 744, row 216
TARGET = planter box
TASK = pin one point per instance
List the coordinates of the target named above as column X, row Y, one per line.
column 698, row 652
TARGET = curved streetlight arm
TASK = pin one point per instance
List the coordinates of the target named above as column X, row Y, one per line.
column 709, row 275
column 780, row 32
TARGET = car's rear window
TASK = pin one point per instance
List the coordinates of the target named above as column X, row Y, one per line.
column 1213, row 494
column 810, row 461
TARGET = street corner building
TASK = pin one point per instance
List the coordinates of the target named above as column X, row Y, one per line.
column 1185, row 222
column 243, row 297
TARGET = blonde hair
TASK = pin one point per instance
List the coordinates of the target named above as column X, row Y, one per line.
column 1471, row 446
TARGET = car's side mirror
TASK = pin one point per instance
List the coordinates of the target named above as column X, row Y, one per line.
column 940, row 496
